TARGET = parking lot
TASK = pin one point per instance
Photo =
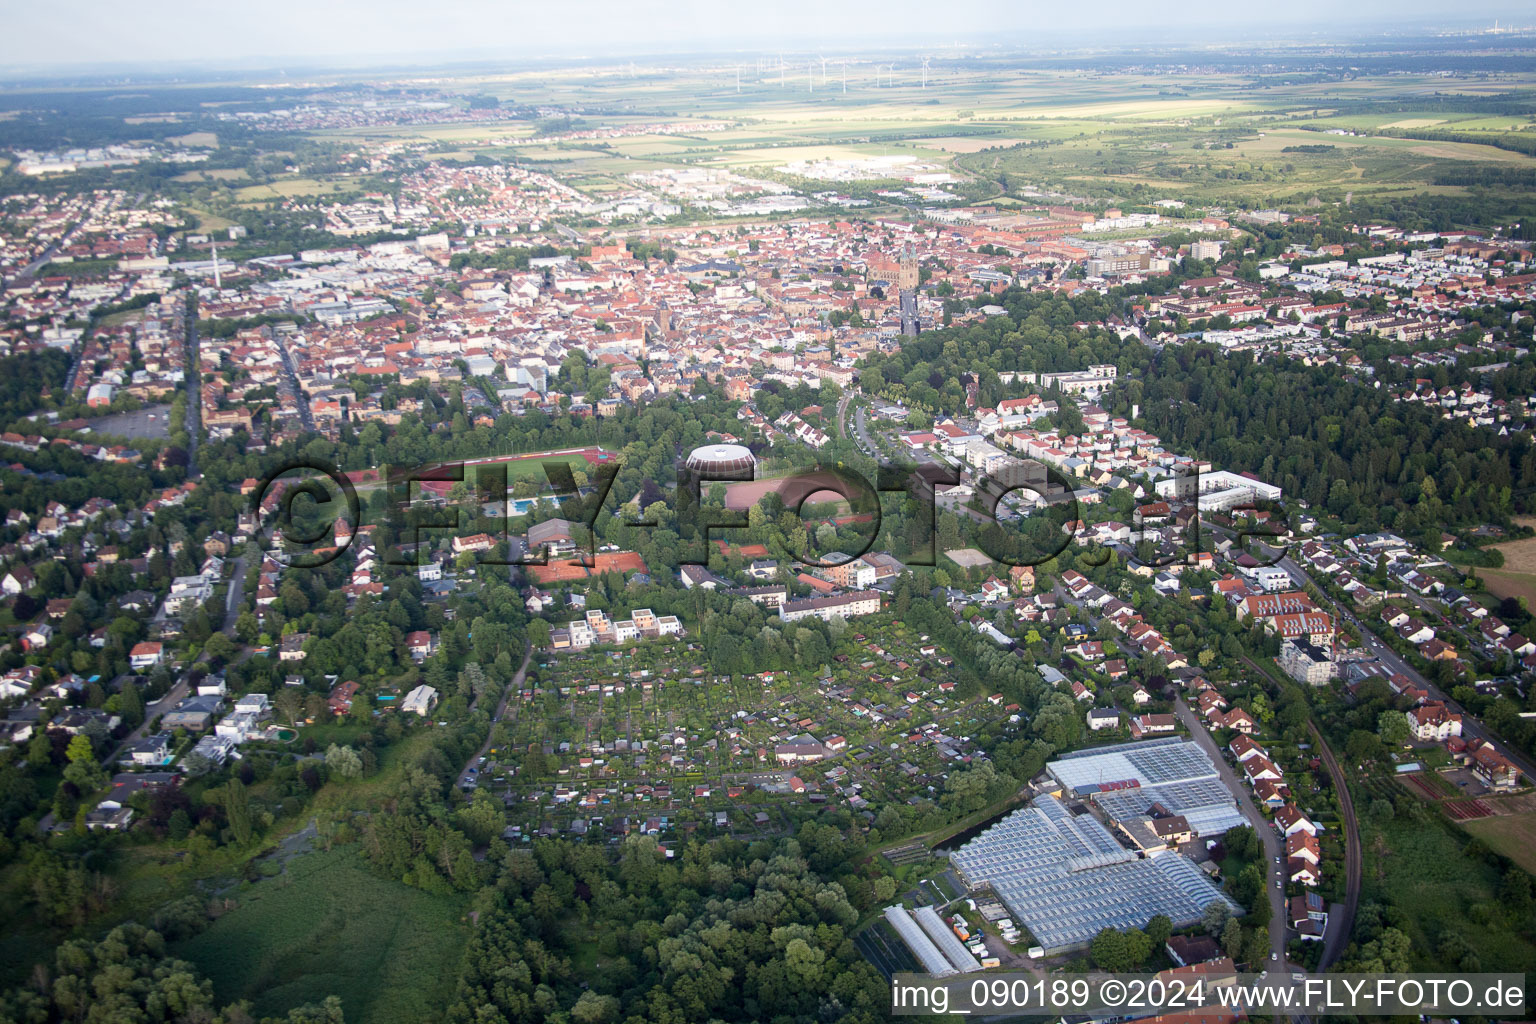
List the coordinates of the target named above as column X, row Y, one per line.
column 149, row 422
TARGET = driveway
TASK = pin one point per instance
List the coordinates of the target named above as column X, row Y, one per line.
column 501, row 710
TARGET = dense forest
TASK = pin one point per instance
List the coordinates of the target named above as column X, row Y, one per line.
column 1340, row 446
column 725, row 932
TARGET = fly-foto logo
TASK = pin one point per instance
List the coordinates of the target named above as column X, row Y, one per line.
column 308, row 536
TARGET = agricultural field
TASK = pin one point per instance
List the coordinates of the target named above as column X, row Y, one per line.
column 1517, row 576
column 202, row 139
column 214, row 174
column 284, row 188
column 1213, row 138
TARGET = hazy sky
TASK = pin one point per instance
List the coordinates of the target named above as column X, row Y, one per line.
column 113, row 32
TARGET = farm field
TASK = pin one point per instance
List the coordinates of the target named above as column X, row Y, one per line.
column 214, row 174
column 283, row 188
column 1130, row 137
column 328, row 925
column 1517, row 576
column 1503, row 583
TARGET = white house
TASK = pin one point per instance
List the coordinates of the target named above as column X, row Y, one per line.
column 1103, row 718
column 420, row 701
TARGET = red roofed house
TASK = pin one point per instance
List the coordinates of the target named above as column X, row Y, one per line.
column 145, row 655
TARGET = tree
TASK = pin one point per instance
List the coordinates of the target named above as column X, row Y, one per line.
column 289, row 704
column 343, row 762
column 1232, row 938
column 220, row 647
column 130, row 705
column 592, row 1008
column 238, row 810
column 472, row 680
column 1239, row 841
column 79, row 750
column 195, row 765
column 1255, row 945
column 1215, row 916
column 1393, row 728
column 804, row 961
column 1111, row 951
column 1158, row 930
column 83, row 771
column 1363, row 747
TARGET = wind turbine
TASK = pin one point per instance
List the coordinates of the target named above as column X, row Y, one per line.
column 738, row 78
column 823, row 71
column 781, row 69
column 925, row 72
column 810, row 76
column 845, row 78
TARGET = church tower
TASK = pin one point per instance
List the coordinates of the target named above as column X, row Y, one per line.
column 906, row 274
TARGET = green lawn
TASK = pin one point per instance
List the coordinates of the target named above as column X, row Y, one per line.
column 329, row 926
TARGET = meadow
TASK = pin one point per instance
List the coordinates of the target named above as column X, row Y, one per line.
column 1513, row 835
column 328, row 926
column 1422, row 869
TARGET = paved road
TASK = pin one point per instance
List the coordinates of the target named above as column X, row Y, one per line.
column 862, row 430
column 232, row 597
column 910, row 324
column 77, row 354
column 1339, row 931
column 151, row 711
column 501, row 709
column 295, row 394
column 1274, row 880
column 178, row 691
column 47, row 257
column 194, row 396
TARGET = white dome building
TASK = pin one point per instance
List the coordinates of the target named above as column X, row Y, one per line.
column 722, row 462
